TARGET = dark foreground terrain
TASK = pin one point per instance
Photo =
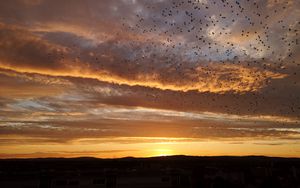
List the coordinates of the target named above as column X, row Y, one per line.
column 157, row 172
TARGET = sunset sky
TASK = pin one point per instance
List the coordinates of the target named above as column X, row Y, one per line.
column 116, row 78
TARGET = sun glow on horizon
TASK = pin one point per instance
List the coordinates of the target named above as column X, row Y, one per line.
column 162, row 151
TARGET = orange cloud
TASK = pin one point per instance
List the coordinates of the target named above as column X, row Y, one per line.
column 213, row 78
column 25, row 52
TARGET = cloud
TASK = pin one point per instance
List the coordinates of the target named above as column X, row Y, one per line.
column 147, row 58
column 26, row 57
column 41, row 120
column 19, row 48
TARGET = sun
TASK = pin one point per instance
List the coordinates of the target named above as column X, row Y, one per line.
column 162, row 152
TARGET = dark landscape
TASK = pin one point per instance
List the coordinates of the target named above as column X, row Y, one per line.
column 160, row 172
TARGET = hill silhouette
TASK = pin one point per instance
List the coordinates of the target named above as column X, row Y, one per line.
column 167, row 171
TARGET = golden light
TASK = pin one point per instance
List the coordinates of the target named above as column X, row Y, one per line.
column 162, row 152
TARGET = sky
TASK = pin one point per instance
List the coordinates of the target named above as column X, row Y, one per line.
column 117, row 78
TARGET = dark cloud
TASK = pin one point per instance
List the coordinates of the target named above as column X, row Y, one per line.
column 19, row 48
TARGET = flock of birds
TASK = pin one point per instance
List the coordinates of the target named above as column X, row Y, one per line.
column 246, row 32
column 203, row 23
